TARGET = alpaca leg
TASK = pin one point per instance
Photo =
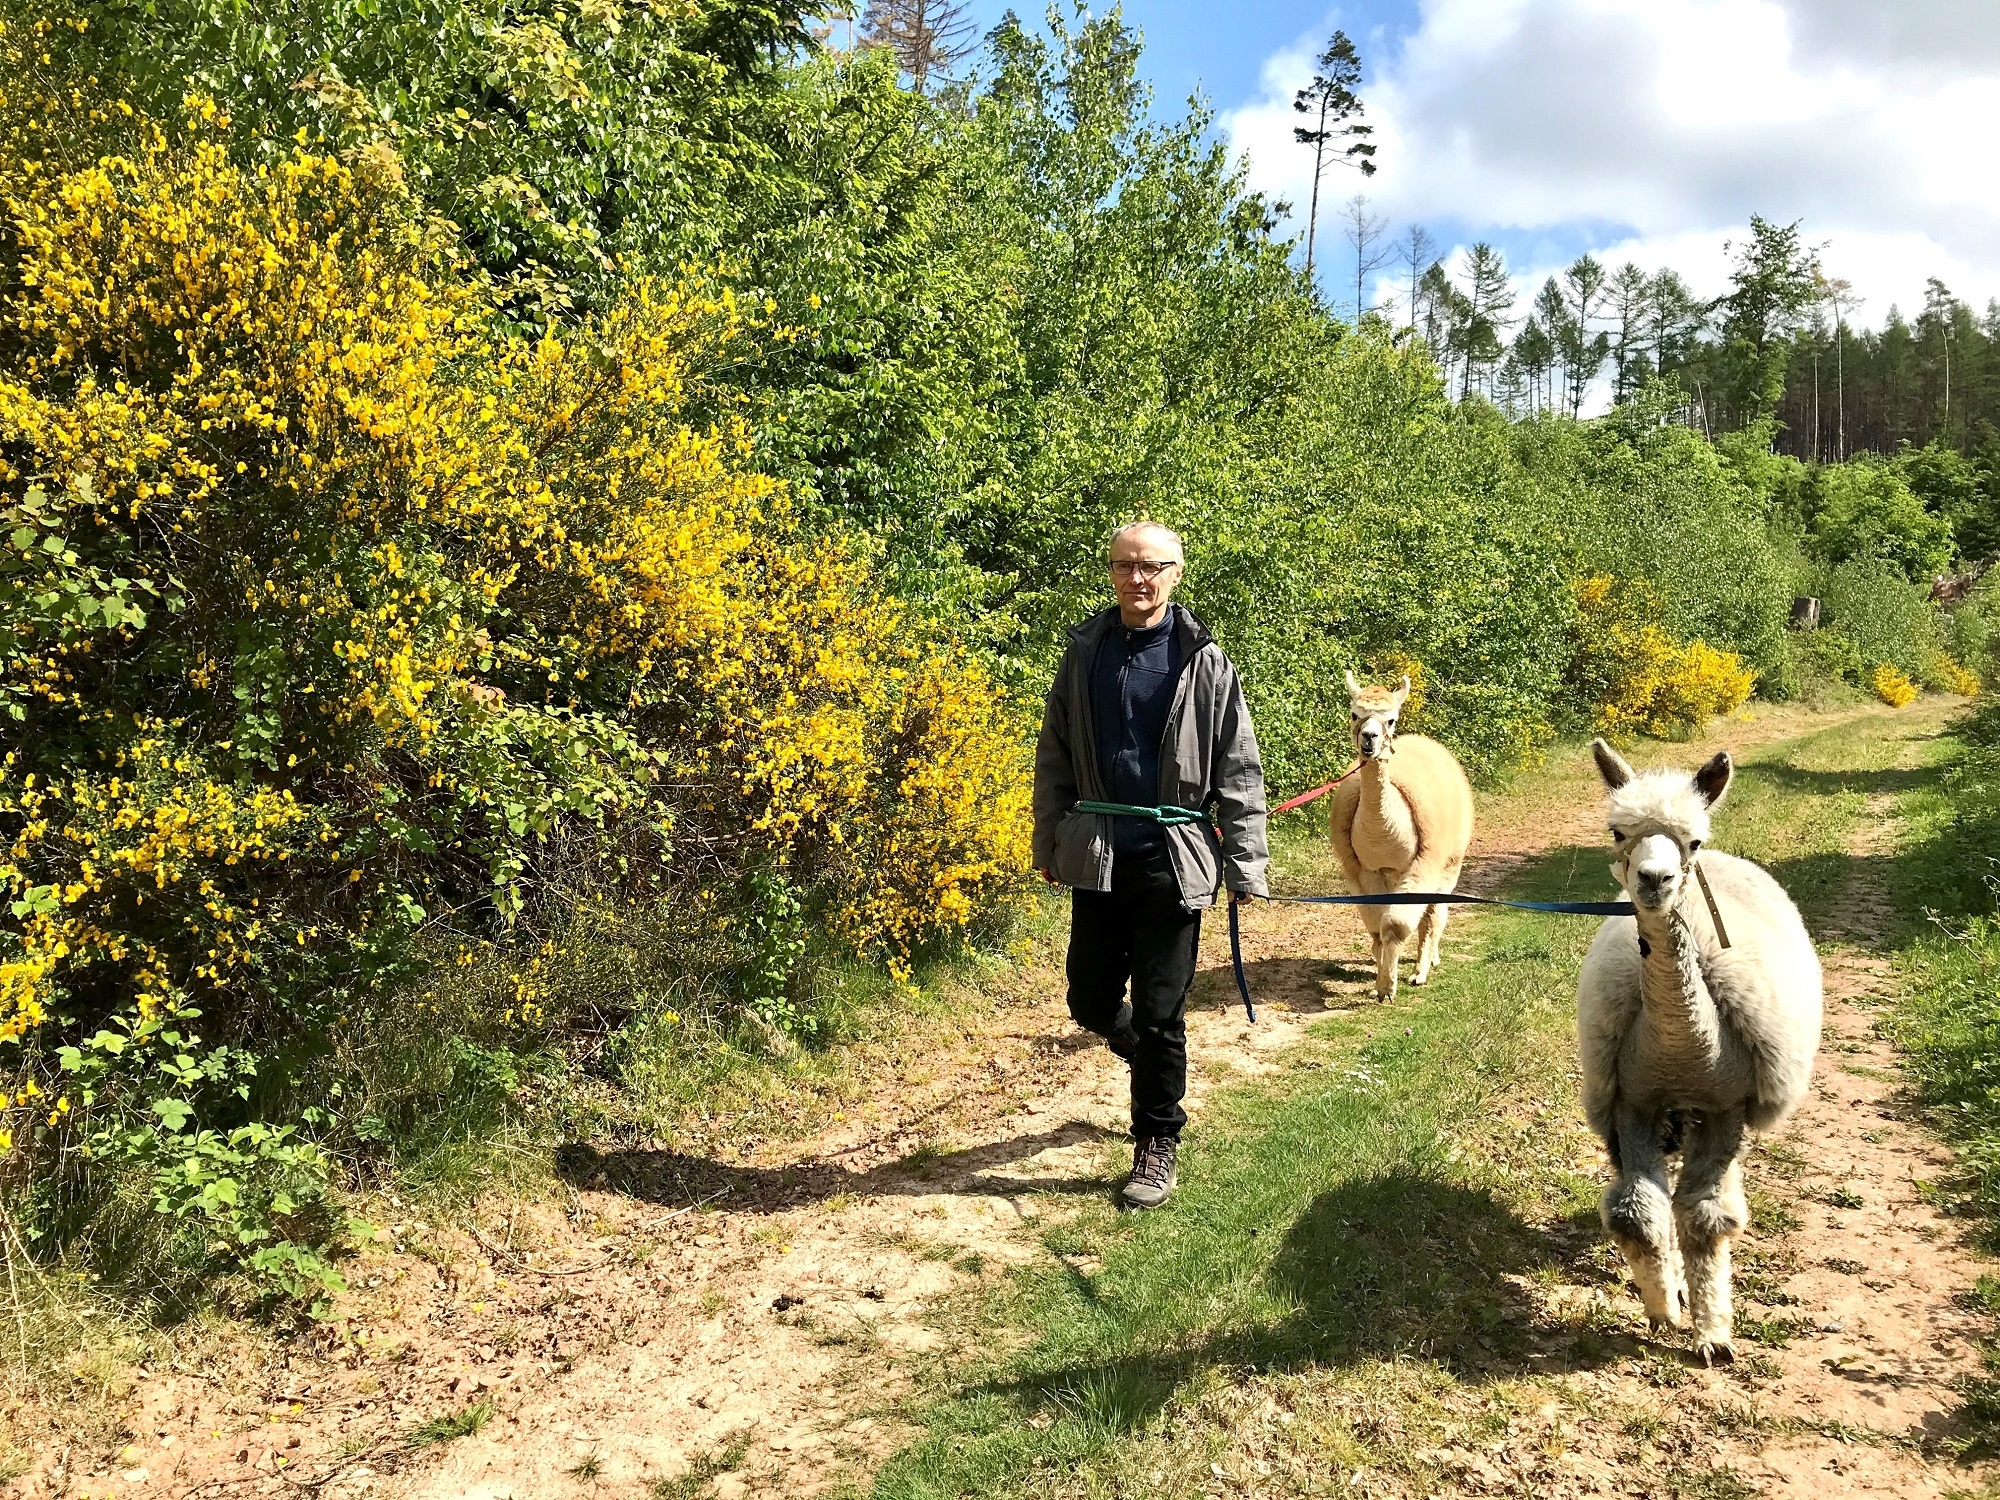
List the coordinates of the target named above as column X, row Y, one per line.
column 1638, row 1211
column 1710, row 1211
column 1430, row 942
column 1395, row 933
column 1387, row 951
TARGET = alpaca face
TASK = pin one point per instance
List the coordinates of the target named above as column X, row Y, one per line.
column 1372, row 715
column 1658, row 823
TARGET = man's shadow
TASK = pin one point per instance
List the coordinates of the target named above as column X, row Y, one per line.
column 676, row 1179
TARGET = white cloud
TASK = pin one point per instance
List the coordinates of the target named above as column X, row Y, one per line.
column 1653, row 129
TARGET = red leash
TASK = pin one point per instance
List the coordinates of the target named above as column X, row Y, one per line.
column 1319, row 791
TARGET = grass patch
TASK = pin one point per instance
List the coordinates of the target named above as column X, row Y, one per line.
column 453, row 1425
column 697, row 1480
column 1949, row 1021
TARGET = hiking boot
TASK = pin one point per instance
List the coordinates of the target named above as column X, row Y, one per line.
column 1152, row 1179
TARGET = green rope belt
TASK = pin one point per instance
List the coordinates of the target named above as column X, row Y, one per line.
column 1165, row 815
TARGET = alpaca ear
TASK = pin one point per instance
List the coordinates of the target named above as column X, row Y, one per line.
column 1402, row 690
column 1610, row 765
column 1353, row 687
column 1712, row 780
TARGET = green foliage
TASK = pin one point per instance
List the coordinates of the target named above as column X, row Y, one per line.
column 1774, row 282
column 1640, row 497
column 1866, row 510
column 1874, row 606
column 1972, row 629
column 990, row 326
column 1949, row 1022
column 556, row 138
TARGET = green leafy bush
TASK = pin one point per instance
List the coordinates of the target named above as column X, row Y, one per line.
column 1865, row 511
column 1871, row 603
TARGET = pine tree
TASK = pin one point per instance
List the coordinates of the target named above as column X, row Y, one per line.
column 1584, row 352
column 1675, row 318
column 1416, row 251
column 1488, row 295
column 927, row 36
column 1552, row 309
column 1331, row 97
column 1627, row 295
column 1535, row 352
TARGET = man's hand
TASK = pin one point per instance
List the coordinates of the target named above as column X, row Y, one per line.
column 1048, row 875
column 1239, row 898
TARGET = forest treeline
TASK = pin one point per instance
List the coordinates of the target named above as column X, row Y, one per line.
column 534, row 535
column 1778, row 356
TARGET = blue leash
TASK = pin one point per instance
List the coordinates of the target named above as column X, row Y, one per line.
column 1170, row 816
column 1407, row 898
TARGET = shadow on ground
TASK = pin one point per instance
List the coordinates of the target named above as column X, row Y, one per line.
column 678, row 1180
column 1891, row 779
column 1307, row 986
column 1843, row 897
column 1396, row 1266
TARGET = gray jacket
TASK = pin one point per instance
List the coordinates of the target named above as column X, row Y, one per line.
column 1208, row 759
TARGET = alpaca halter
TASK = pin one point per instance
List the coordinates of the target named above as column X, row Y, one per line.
column 1690, row 865
column 1693, row 865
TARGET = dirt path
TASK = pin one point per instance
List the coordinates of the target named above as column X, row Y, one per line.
column 730, row 1322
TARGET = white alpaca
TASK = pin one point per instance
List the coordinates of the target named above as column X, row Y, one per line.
column 1403, row 824
column 1686, row 1042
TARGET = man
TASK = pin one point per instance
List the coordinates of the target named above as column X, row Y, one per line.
column 1145, row 710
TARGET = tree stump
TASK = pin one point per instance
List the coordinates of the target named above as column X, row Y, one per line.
column 1805, row 614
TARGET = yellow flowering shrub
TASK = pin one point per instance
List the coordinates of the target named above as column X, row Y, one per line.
column 1943, row 671
column 1636, row 676
column 334, row 617
column 1890, row 685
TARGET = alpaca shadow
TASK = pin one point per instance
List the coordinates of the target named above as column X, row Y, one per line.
column 1387, row 1267
column 676, row 1179
column 1308, row 986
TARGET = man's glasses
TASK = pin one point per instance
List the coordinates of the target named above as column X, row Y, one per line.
column 1144, row 567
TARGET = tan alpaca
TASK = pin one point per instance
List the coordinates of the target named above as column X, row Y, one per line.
column 1402, row 824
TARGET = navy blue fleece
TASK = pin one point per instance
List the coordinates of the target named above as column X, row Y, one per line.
column 1132, row 692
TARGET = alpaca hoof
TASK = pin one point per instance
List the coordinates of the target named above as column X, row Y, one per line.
column 1663, row 1322
column 1418, row 981
column 1716, row 1350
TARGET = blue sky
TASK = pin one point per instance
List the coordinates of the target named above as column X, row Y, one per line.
column 1647, row 130
column 1221, row 48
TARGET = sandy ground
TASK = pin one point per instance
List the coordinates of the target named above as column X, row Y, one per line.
column 754, row 1313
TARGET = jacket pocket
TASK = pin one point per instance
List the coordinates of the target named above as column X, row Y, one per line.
column 1081, row 851
column 1197, row 863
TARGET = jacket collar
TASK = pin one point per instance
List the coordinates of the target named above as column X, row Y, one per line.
column 1191, row 634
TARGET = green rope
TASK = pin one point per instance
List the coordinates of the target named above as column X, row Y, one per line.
column 1168, row 816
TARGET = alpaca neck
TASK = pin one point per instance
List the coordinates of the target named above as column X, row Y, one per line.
column 1384, row 828
column 1678, row 1010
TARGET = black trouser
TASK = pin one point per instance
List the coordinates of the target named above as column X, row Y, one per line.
column 1138, row 931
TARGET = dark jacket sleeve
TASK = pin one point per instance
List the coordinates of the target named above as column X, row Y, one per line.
column 1239, row 791
column 1055, row 766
